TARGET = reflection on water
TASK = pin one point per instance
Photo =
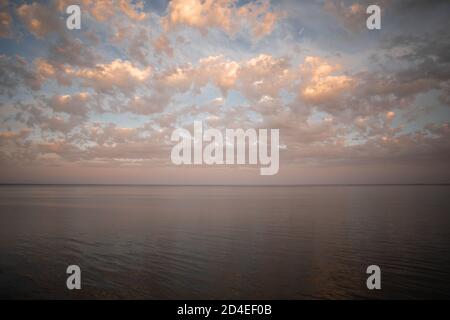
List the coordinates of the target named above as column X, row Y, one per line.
column 224, row 242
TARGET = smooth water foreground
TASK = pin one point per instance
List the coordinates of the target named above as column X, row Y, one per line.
column 185, row 242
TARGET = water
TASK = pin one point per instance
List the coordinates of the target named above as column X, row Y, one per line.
column 225, row 242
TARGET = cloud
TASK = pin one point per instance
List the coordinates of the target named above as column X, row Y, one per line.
column 72, row 51
column 162, row 45
column 221, row 14
column 75, row 104
column 265, row 75
column 39, row 19
column 353, row 17
column 47, row 70
column 259, row 17
column 58, row 124
column 5, row 23
column 110, row 95
column 11, row 135
column 147, row 104
column 101, row 10
column 390, row 115
column 138, row 48
column 117, row 75
column 133, row 11
column 16, row 73
column 254, row 77
column 212, row 69
column 319, row 85
column 104, row 10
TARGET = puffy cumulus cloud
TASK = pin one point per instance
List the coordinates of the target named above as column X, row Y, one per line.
column 122, row 32
column 377, row 125
column 320, row 141
column 133, row 11
column 44, row 68
column 15, row 73
column 415, row 146
column 201, row 15
column 265, row 75
column 259, row 17
column 223, row 14
column 267, row 106
column 221, row 72
column 327, row 146
column 118, row 75
column 300, row 131
column 213, row 69
column 162, row 45
column 110, row 134
column 72, row 51
column 408, row 66
column 261, row 79
column 266, row 26
column 5, row 22
column 112, row 145
column 58, row 149
column 104, row 10
column 425, row 58
column 41, row 115
column 13, row 135
column 75, row 104
column 352, row 15
column 47, row 70
column 100, row 10
column 147, row 104
column 125, row 154
column 390, row 115
column 319, row 85
column 179, row 78
column 39, row 19
column 54, row 124
column 138, row 48
column 396, row 84
column 15, row 146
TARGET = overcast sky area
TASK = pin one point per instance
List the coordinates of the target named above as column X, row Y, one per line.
column 98, row 105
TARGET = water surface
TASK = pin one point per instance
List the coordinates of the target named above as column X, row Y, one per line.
column 163, row 242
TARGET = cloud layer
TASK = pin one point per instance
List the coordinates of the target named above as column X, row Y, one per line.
column 355, row 103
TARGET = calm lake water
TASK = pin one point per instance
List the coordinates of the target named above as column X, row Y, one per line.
column 158, row 242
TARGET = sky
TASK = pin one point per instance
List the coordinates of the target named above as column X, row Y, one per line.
column 99, row 104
